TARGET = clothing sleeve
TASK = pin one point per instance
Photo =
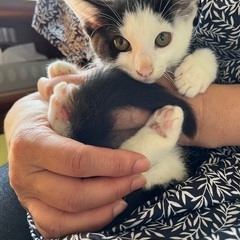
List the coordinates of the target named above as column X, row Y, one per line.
column 56, row 22
column 218, row 28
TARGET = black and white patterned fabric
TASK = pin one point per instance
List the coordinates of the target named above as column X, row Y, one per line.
column 58, row 24
column 207, row 205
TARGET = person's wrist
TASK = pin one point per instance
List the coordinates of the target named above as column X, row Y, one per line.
column 197, row 105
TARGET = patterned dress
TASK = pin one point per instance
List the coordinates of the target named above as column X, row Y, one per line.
column 207, row 205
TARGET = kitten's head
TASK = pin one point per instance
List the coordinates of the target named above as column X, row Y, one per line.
column 142, row 37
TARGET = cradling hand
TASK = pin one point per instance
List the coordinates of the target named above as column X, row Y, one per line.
column 65, row 185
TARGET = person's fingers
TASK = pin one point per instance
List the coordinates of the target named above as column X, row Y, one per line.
column 74, row 194
column 47, row 155
column 71, row 158
column 45, row 85
column 89, row 161
column 53, row 223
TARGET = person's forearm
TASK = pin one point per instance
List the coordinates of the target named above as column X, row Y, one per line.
column 218, row 116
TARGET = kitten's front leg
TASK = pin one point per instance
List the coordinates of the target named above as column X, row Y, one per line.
column 197, row 71
column 157, row 141
column 60, row 67
column 59, row 107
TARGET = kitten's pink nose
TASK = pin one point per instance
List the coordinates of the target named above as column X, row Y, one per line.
column 145, row 72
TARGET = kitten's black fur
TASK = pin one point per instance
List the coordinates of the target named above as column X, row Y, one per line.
column 92, row 115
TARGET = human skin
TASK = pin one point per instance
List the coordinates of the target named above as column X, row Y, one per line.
column 65, row 185
column 50, row 174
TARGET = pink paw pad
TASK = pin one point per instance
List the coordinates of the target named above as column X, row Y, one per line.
column 166, row 121
column 158, row 129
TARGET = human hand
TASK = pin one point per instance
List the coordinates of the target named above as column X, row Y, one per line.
column 65, row 185
column 46, row 85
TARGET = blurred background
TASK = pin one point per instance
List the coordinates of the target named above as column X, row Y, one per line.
column 24, row 55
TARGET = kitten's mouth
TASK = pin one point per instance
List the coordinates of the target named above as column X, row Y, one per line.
column 146, row 80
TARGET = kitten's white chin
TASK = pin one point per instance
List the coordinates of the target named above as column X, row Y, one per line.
column 154, row 77
column 148, row 80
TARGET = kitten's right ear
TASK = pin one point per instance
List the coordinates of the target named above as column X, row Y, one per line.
column 89, row 12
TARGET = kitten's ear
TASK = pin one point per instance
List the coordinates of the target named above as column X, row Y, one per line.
column 186, row 8
column 89, row 12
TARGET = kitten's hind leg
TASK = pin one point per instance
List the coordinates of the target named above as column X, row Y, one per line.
column 167, row 162
column 167, row 122
column 157, row 141
column 59, row 107
column 60, row 67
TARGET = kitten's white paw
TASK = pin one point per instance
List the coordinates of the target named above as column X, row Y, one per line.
column 197, row 71
column 59, row 106
column 59, row 68
column 157, row 142
column 167, row 162
column 167, row 121
column 170, row 167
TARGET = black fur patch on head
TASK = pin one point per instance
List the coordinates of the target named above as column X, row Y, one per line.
column 112, row 12
column 167, row 9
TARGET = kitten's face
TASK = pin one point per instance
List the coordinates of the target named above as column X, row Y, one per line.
column 143, row 38
column 155, row 45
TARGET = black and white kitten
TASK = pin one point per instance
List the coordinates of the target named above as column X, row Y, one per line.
column 136, row 40
column 146, row 38
column 90, row 112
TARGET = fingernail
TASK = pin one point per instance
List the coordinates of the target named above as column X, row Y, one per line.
column 141, row 165
column 119, row 207
column 138, row 182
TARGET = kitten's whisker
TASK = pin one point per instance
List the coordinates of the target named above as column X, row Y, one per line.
column 112, row 25
column 93, row 32
column 175, row 63
column 166, row 6
column 170, row 11
column 160, row 6
column 88, row 66
column 103, row 15
column 106, row 16
column 168, row 76
column 186, row 14
column 86, row 20
column 114, row 12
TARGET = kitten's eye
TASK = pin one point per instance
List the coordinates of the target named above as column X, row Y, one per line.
column 121, row 44
column 163, row 39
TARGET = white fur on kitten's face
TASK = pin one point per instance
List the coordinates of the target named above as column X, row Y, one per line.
column 146, row 61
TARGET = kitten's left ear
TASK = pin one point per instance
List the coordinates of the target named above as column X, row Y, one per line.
column 89, row 12
column 186, row 8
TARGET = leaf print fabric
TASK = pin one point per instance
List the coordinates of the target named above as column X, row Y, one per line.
column 58, row 24
column 207, row 205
